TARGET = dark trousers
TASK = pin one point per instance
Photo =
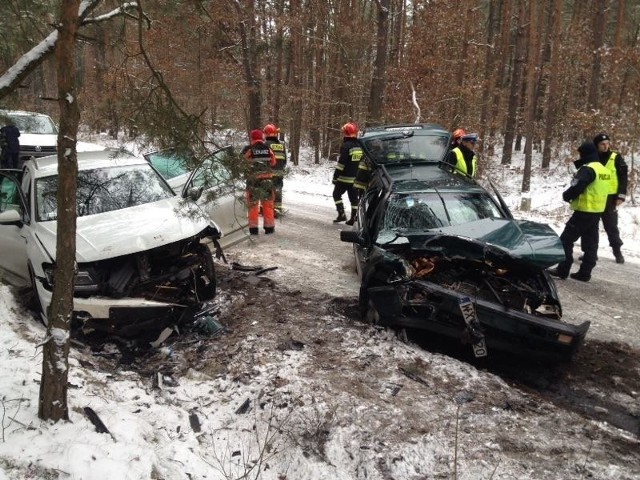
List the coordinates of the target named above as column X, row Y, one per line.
column 610, row 223
column 277, row 185
column 10, row 160
column 339, row 189
column 584, row 226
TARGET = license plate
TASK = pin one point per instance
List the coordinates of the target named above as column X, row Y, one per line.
column 470, row 318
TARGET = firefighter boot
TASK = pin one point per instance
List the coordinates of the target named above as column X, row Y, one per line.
column 618, row 254
column 341, row 216
column 352, row 220
column 253, row 230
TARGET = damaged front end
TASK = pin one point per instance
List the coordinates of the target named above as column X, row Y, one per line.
column 461, row 289
column 144, row 291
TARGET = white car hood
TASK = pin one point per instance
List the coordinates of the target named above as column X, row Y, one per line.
column 125, row 231
column 38, row 140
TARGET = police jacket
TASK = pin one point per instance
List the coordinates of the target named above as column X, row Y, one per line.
column 11, row 134
column 619, row 170
column 347, row 167
column 279, row 151
column 464, row 160
column 589, row 188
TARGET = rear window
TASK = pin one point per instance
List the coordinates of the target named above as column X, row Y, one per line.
column 395, row 147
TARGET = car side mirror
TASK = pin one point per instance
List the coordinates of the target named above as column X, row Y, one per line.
column 195, row 193
column 351, row 236
column 9, row 217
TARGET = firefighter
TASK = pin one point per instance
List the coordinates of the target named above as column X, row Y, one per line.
column 345, row 173
column 458, row 133
column 463, row 157
column 614, row 162
column 588, row 197
column 260, row 183
column 279, row 150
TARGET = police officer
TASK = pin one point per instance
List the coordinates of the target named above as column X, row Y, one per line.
column 259, row 183
column 614, row 162
column 345, row 173
column 279, row 150
column 10, row 145
column 463, row 157
column 588, row 197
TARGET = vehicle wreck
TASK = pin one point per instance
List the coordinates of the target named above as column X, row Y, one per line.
column 144, row 258
column 436, row 251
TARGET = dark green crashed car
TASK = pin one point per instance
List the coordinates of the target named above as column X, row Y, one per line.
column 435, row 251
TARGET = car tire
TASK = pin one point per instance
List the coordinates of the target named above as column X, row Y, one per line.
column 206, row 275
column 35, row 303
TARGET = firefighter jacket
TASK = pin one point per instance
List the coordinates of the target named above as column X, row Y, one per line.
column 619, row 173
column 589, row 188
column 347, row 167
column 280, row 152
column 363, row 175
column 464, row 160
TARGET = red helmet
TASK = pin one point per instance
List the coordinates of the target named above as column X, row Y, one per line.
column 270, row 130
column 350, row 129
column 256, row 135
column 458, row 133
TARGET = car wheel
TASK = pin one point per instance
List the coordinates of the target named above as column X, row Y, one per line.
column 206, row 275
column 35, row 303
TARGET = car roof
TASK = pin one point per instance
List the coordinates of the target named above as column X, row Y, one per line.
column 417, row 128
column 46, row 166
column 22, row 113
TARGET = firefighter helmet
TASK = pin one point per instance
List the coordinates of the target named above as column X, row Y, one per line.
column 350, row 129
column 270, row 130
column 256, row 135
column 458, row 133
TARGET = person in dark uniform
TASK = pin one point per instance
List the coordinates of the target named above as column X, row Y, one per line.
column 614, row 162
column 10, row 145
column 279, row 150
column 345, row 173
column 259, row 183
column 588, row 197
column 463, row 157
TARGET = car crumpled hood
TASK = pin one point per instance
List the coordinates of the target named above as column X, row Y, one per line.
column 126, row 231
column 520, row 240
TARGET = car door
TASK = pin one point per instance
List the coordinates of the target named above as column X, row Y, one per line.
column 221, row 196
column 13, row 241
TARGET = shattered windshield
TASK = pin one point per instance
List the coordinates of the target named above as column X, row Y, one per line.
column 37, row 124
column 399, row 147
column 103, row 190
column 411, row 213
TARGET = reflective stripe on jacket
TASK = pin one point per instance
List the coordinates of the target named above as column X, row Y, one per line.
column 611, row 166
column 279, row 151
column 594, row 197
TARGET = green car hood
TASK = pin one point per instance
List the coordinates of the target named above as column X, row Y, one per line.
column 499, row 239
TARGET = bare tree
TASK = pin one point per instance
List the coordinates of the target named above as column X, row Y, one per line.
column 378, row 82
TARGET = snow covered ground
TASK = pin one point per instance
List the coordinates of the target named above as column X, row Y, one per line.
column 288, row 395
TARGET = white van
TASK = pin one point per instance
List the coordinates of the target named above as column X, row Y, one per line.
column 38, row 132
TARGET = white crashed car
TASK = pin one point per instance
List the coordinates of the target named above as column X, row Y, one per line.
column 141, row 259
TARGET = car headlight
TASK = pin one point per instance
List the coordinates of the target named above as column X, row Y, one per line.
column 83, row 282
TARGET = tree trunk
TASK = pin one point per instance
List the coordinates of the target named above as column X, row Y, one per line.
column 55, row 365
column 555, row 29
column 596, row 67
column 530, row 110
column 515, row 86
column 248, row 37
column 378, row 82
